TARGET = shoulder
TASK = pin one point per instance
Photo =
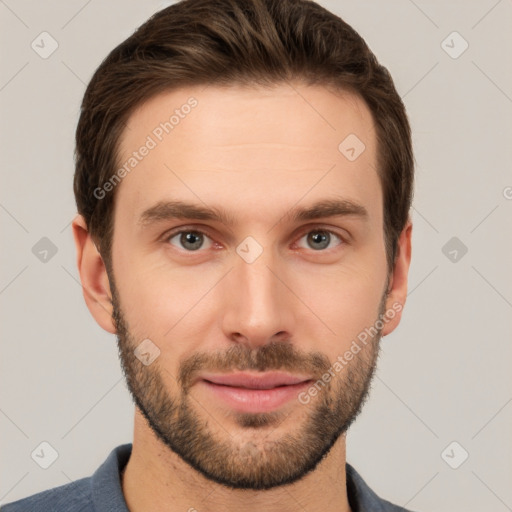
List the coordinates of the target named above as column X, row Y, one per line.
column 102, row 490
column 362, row 497
column 72, row 497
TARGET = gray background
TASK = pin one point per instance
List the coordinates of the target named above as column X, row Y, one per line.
column 444, row 374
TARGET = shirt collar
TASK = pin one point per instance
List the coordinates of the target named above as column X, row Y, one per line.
column 107, row 493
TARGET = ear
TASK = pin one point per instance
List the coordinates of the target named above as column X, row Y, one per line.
column 397, row 287
column 93, row 276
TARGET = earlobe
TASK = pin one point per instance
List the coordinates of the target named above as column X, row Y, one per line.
column 93, row 276
column 397, row 291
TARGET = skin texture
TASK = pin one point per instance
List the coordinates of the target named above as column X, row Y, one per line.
column 258, row 153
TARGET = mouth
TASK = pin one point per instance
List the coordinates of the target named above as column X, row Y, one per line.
column 249, row 392
column 247, row 380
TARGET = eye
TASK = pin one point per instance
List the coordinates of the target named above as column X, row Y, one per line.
column 320, row 239
column 189, row 239
column 192, row 240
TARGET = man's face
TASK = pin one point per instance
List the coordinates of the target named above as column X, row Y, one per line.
column 267, row 291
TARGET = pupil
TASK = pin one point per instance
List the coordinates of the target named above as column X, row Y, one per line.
column 319, row 237
column 191, row 238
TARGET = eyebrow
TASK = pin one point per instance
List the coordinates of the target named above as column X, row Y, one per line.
column 168, row 210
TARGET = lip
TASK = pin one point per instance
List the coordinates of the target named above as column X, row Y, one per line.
column 248, row 380
column 254, row 393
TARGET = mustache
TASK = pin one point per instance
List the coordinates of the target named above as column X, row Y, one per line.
column 275, row 355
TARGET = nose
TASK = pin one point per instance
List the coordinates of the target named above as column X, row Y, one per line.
column 259, row 307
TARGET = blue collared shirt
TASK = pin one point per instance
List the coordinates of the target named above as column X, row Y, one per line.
column 102, row 492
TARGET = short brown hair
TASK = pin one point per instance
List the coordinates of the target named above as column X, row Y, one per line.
column 246, row 42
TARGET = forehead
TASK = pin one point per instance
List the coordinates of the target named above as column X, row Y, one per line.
column 248, row 147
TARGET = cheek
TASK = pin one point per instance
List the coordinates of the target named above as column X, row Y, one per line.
column 163, row 303
column 346, row 301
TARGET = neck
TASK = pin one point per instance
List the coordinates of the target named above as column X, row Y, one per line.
column 156, row 479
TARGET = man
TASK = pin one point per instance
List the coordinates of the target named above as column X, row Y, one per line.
column 244, row 176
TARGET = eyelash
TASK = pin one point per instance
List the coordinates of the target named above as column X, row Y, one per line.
column 168, row 236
